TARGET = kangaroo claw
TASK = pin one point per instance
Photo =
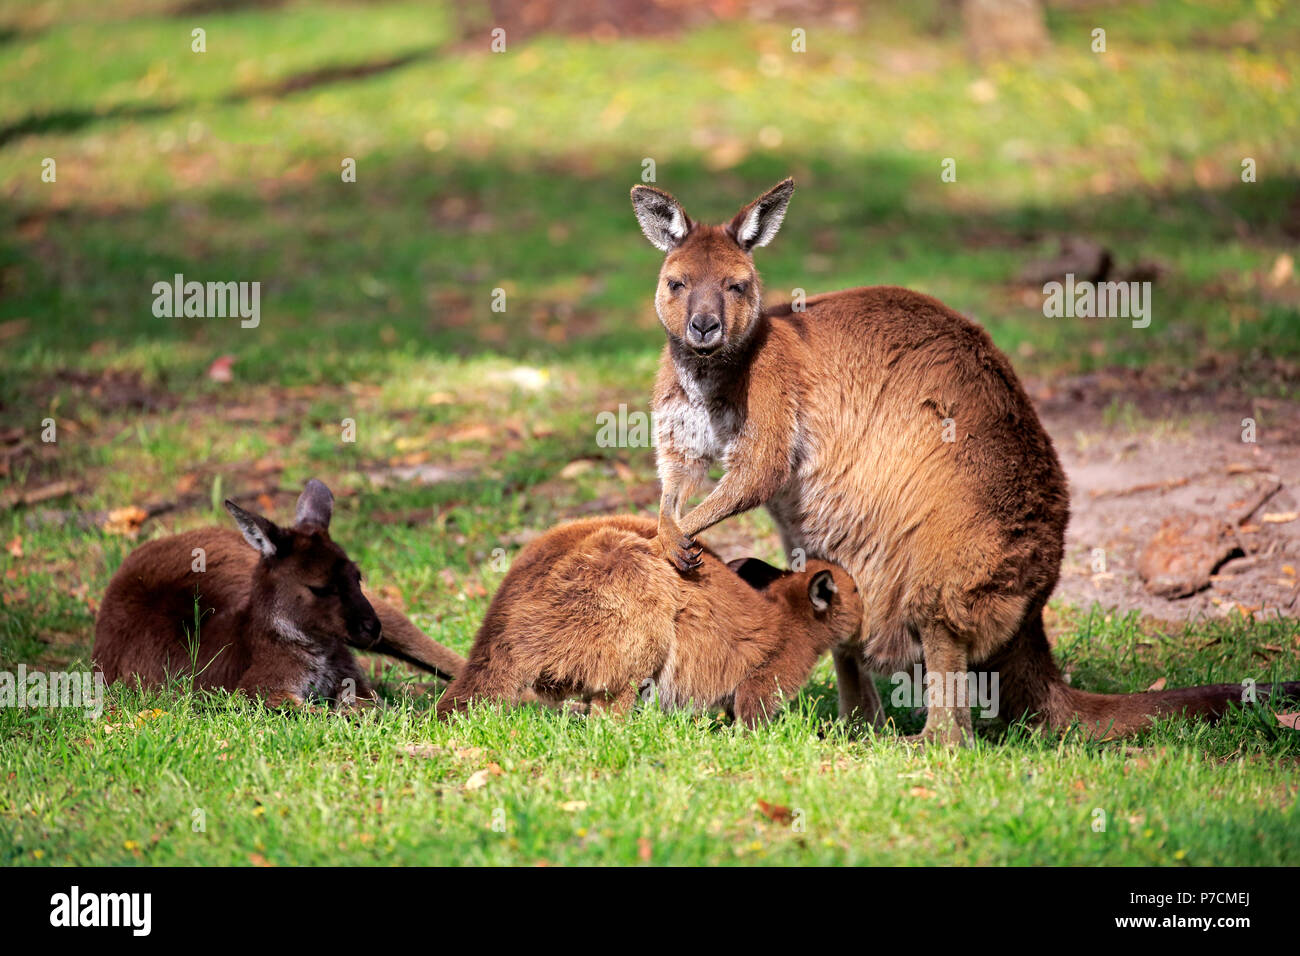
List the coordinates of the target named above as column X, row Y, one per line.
column 687, row 559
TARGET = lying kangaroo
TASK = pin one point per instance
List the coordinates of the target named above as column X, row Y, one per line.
column 272, row 613
column 590, row 609
column 888, row 434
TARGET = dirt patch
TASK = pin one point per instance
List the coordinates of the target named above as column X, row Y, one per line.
column 115, row 390
column 1143, row 455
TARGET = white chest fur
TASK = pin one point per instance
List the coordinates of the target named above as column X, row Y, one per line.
column 689, row 430
column 315, row 680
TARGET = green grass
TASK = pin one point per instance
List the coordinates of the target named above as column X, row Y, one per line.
column 479, row 171
column 397, row 786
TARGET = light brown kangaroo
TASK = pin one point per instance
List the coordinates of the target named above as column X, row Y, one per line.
column 886, row 433
column 591, row 610
column 271, row 613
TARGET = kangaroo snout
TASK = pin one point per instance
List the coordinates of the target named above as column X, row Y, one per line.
column 704, row 331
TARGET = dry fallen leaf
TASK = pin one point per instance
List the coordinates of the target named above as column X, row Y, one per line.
column 1289, row 720
column 471, row 433
column 1279, row 517
column 1282, row 271
column 220, row 369
column 775, row 812
column 643, row 849
column 923, row 792
column 477, row 779
column 125, row 521
column 15, row 547
column 1159, row 684
column 420, row 750
column 573, row 806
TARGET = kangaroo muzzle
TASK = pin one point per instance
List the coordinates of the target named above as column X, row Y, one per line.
column 704, row 332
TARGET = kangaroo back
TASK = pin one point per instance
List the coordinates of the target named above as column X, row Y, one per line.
column 586, row 609
column 161, row 618
column 591, row 609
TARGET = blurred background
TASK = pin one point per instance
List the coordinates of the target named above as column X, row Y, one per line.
column 493, row 147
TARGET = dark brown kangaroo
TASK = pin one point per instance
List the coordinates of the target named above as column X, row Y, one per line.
column 888, row 434
column 275, row 619
column 591, row 610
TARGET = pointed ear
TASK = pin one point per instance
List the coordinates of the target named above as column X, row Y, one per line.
column 315, row 505
column 757, row 574
column 261, row 533
column 822, row 590
column 662, row 218
column 757, row 223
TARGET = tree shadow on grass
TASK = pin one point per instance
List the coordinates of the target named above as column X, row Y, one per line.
column 70, row 121
column 409, row 259
column 74, row 120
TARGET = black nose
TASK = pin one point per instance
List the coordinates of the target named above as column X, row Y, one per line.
column 704, row 329
column 370, row 628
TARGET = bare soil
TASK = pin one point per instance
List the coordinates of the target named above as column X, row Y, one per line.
column 1139, row 453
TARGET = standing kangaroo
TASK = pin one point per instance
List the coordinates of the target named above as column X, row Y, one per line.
column 591, row 609
column 271, row 613
column 886, row 433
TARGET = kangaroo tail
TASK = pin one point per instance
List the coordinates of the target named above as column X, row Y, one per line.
column 401, row 639
column 1032, row 684
column 1117, row 714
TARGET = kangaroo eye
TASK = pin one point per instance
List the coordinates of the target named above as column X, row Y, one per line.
column 739, row 287
column 675, row 286
column 321, row 592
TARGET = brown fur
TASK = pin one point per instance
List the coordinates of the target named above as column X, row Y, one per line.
column 834, row 418
column 591, row 610
column 262, row 628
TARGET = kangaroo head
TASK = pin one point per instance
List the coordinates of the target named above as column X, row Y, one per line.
column 823, row 595
column 708, row 298
column 305, row 587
